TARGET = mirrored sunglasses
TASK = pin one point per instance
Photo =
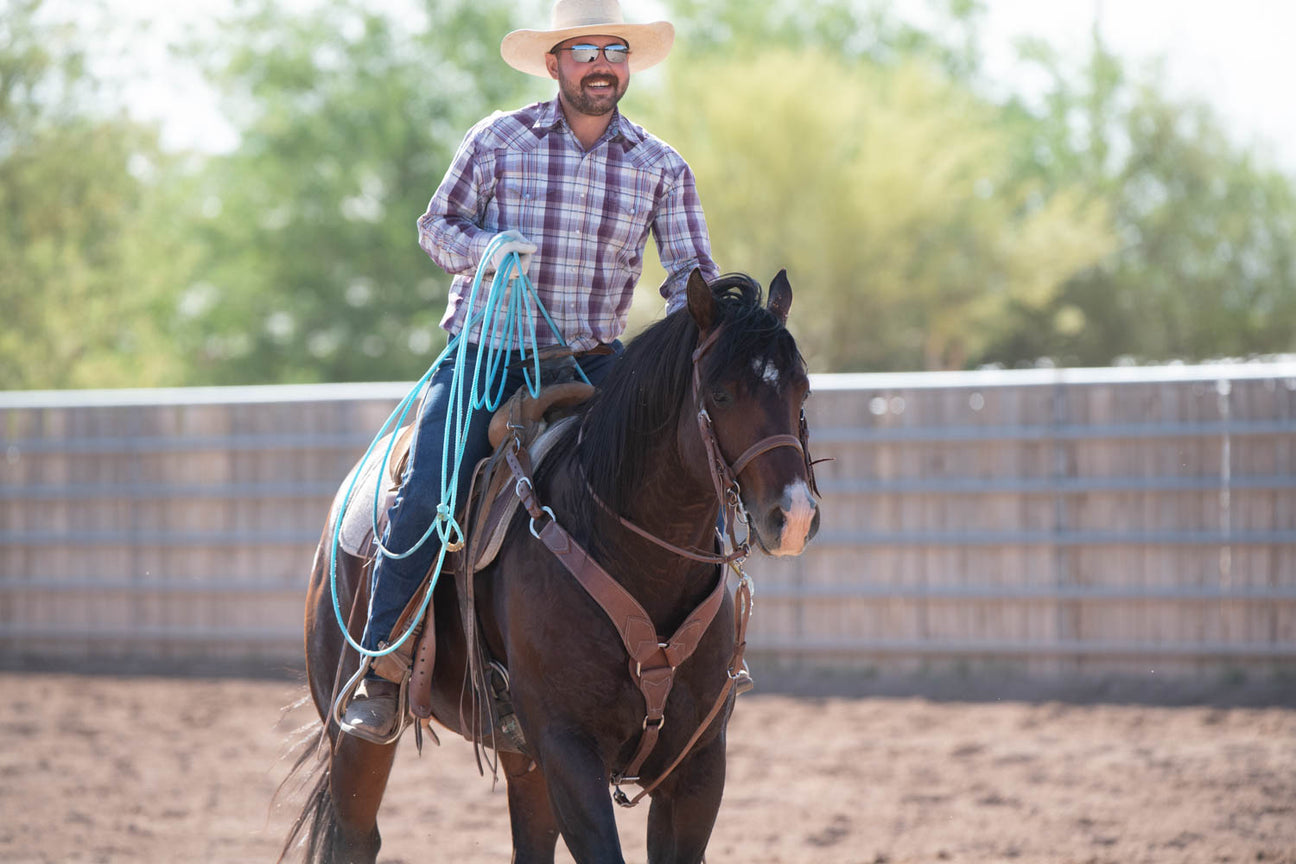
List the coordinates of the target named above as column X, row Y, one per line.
column 590, row 53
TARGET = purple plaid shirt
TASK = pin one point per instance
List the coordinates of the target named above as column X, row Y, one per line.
column 588, row 212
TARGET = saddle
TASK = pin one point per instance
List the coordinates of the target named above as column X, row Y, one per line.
column 534, row 423
column 524, row 414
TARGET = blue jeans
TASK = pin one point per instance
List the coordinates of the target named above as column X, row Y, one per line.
column 396, row 579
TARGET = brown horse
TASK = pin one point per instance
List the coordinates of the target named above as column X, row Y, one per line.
column 634, row 485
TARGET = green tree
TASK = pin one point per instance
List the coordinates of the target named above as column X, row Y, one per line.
column 848, row 29
column 348, row 120
column 888, row 194
column 1207, row 261
column 89, row 259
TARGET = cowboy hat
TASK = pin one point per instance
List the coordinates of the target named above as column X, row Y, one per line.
column 525, row 50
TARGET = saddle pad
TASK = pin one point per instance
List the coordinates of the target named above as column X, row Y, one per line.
column 357, row 534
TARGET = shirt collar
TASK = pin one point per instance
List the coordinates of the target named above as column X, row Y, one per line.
column 551, row 117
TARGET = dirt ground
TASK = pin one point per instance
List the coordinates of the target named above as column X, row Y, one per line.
column 156, row 770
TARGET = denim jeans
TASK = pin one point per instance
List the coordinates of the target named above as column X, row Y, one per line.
column 396, row 579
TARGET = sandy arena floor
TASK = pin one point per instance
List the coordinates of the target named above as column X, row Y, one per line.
column 159, row 771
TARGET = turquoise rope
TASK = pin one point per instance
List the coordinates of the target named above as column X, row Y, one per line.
column 497, row 333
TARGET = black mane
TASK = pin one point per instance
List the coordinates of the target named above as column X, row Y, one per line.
column 648, row 387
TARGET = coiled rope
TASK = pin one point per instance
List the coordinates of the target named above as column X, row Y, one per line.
column 512, row 294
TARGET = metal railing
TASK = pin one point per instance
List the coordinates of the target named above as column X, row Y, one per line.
column 1024, row 517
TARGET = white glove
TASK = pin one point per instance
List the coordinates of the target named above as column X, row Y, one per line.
column 513, row 241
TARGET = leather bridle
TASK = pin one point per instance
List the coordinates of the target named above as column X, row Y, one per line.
column 724, row 475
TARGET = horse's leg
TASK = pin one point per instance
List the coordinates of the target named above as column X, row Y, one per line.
column 535, row 832
column 577, row 782
column 358, row 778
column 684, row 809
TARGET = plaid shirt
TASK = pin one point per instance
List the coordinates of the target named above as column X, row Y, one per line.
column 588, row 212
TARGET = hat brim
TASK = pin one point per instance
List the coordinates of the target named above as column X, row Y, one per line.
column 525, row 50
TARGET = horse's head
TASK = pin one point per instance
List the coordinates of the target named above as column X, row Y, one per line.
column 750, row 385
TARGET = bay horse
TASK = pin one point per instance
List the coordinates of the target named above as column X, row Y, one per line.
column 633, row 483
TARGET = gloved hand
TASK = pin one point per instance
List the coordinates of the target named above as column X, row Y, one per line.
column 513, row 241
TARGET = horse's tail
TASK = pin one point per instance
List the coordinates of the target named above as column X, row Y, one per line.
column 312, row 825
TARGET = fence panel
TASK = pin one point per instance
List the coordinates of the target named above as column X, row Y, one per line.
column 1050, row 522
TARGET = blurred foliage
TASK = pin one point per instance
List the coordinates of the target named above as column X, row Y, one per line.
column 868, row 30
column 89, row 260
column 1206, row 266
column 896, row 212
column 924, row 223
column 349, row 118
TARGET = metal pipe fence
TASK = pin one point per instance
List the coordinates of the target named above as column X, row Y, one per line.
column 1050, row 522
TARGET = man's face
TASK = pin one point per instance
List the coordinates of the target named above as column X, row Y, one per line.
column 589, row 88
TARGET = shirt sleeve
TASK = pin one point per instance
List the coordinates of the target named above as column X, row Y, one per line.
column 449, row 232
column 683, row 243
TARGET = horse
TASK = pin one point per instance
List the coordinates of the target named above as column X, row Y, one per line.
column 717, row 386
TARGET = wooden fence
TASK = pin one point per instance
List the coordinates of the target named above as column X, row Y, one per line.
column 1045, row 521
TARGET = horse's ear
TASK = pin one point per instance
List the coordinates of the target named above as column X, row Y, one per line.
column 780, row 296
column 701, row 302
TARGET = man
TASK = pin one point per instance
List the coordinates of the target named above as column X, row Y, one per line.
column 575, row 189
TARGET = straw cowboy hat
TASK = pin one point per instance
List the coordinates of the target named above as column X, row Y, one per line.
column 525, row 50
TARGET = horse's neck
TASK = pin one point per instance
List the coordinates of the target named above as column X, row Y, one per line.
column 676, row 509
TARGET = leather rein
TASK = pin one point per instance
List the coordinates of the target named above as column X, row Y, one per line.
column 652, row 661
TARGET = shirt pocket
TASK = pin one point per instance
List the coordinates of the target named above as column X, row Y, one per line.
column 517, row 202
column 627, row 212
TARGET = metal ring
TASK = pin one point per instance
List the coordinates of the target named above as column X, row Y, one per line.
column 552, row 518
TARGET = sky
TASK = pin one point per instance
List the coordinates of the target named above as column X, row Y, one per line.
column 1235, row 55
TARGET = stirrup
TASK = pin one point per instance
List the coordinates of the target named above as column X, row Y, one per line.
column 347, row 693
column 743, row 681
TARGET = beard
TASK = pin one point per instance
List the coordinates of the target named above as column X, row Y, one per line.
column 594, row 103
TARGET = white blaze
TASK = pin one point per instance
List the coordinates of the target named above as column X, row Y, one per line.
column 797, row 520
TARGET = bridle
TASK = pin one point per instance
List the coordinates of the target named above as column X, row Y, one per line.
column 724, row 475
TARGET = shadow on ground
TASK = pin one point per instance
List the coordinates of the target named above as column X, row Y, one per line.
column 1214, row 688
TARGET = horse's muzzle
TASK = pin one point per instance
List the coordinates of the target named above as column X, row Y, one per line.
column 788, row 526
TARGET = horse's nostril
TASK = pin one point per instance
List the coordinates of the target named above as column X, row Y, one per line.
column 777, row 519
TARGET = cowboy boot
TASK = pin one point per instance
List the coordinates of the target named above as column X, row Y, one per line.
column 374, row 713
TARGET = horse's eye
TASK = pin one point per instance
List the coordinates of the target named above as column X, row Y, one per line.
column 720, row 397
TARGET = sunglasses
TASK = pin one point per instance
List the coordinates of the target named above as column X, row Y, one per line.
column 590, row 53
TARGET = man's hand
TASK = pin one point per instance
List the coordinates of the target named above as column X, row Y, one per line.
column 513, row 241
